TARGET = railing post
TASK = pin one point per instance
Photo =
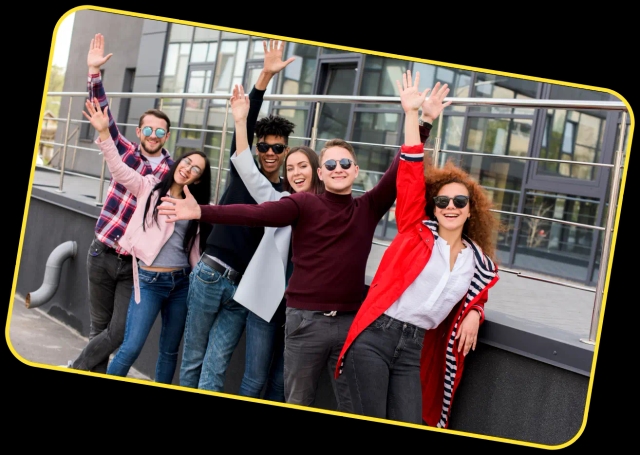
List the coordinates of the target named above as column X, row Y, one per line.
column 606, row 246
column 314, row 129
column 64, row 149
column 437, row 140
column 222, row 144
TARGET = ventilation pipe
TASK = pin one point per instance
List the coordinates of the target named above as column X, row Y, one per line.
column 51, row 274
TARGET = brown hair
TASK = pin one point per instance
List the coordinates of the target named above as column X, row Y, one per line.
column 156, row 113
column 338, row 143
column 482, row 225
column 317, row 185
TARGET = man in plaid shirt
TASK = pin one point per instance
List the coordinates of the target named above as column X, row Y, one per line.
column 108, row 266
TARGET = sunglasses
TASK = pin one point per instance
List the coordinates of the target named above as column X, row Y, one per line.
column 160, row 132
column 345, row 163
column 263, row 147
column 442, row 202
column 195, row 170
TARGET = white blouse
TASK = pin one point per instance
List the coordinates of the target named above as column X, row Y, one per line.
column 437, row 289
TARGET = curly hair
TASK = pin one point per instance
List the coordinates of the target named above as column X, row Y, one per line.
column 482, row 225
column 274, row 125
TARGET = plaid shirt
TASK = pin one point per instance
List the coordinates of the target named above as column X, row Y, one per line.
column 120, row 204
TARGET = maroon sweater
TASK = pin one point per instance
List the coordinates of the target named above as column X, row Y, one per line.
column 331, row 239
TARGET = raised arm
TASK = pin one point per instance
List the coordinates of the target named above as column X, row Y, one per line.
column 257, row 184
column 95, row 59
column 273, row 64
column 410, row 180
column 384, row 193
column 120, row 172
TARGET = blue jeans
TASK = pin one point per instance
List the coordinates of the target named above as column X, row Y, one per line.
column 164, row 293
column 382, row 367
column 214, row 325
column 264, row 357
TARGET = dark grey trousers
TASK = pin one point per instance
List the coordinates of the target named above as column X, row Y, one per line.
column 110, row 288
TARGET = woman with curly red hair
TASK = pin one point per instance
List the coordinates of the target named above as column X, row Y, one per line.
column 404, row 354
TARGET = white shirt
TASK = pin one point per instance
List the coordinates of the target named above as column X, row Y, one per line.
column 437, row 289
column 154, row 160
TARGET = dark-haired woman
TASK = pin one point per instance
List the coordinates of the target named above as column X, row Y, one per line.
column 270, row 266
column 162, row 254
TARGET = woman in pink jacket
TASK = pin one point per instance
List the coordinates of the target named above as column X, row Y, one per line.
column 163, row 254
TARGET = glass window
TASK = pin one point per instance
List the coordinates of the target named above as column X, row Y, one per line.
column 553, row 248
column 256, row 50
column 174, row 79
column 495, row 86
column 379, row 79
column 299, row 76
column 375, row 128
column 458, row 81
column 571, row 136
column 299, row 118
column 199, row 53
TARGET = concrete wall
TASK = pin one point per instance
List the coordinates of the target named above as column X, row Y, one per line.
column 504, row 393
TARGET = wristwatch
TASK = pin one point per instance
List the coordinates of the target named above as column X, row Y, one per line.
column 422, row 122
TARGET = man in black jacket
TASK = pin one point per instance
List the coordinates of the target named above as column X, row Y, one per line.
column 215, row 321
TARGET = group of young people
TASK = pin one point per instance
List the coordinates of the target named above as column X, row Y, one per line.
column 283, row 259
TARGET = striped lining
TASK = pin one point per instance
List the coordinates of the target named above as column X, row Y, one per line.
column 485, row 272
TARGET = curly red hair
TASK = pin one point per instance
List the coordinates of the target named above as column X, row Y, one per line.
column 482, row 226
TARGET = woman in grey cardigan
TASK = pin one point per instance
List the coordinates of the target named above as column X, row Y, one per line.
column 270, row 266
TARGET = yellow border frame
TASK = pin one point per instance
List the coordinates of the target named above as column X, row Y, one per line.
column 381, row 54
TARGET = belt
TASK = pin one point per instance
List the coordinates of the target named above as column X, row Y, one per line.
column 115, row 253
column 228, row 273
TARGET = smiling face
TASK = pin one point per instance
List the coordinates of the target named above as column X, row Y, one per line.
column 338, row 181
column 270, row 162
column 152, row 144
column 452, row 218
column 299, row 172
column 189, row 169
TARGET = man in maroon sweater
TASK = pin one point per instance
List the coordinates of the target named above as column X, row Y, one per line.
column 331, row 241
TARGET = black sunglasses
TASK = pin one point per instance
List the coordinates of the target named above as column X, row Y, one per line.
column 263, row 147
column 442, row 202
column 345, row 163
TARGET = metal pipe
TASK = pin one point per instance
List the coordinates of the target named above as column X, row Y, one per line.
column 438, row 140
column 314, row 130
column 222, row 144
column 526, row 103
column 606, row 247
column 51, row 280
column 64, row 149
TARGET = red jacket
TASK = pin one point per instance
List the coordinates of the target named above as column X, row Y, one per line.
column 441, row 365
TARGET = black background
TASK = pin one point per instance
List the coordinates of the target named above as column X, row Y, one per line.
column 55, row 410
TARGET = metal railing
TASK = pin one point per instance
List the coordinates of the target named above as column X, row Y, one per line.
column 436, row 150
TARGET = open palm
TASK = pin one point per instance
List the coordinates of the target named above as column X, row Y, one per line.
column 434, row 105
column 96, row 57
column 410, row 97
column 273, row 51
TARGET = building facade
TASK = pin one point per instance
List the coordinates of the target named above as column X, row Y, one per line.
column 154, row 56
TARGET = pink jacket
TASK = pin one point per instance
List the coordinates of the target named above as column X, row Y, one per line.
column 139, row 243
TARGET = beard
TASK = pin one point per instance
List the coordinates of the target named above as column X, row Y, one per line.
column 150, row 148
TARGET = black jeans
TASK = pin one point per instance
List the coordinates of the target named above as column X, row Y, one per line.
column 110, row 289
column 382, row 368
